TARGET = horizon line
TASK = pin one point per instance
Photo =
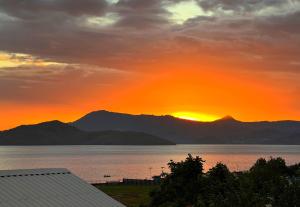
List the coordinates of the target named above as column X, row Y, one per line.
column 224, row 118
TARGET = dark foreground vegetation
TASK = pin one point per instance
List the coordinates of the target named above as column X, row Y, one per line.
column 268, row 183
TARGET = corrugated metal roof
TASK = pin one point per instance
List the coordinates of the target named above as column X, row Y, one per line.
column 49, row 188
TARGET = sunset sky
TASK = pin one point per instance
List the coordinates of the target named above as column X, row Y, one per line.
column 200, row 59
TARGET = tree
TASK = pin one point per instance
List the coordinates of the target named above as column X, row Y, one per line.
column 221, row 188
column 267, row 182
column 180, row 187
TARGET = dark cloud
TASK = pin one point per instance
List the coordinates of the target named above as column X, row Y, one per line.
column 56, row 35
column 142, row 21
column 35, row 8
column 280, row 24
column 143, row 31
column 140, row 5
column 141, row 14
column 239, row 5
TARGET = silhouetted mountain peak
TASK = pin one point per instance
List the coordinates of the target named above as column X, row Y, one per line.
column 101, row 111
column 54, row 123
column 105, row 113
column 226, row 119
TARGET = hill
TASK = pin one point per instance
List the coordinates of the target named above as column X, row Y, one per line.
column 223, row 131
column 58, row 133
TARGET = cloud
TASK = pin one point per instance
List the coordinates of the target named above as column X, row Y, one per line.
column 141, row 14
column 133, row 34
column 54, row 83
column 241, row 6
column 18, row 59
column 34, row 8
column 28, row 79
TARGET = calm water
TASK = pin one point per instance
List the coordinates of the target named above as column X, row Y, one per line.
column 92, row 162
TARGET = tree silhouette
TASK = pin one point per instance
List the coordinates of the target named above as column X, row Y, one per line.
column 267, row 182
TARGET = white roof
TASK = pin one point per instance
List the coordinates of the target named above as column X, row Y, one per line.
column 49, row 188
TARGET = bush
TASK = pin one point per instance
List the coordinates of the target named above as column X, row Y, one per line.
column 267, row 182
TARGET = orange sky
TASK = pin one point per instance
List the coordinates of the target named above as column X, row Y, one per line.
column 213, row 92
column 211, row 58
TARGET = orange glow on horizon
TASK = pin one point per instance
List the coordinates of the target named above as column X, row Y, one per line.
column 184, row 89
column 195, row 116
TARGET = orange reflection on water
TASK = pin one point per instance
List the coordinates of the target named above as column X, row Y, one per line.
column 93, row 162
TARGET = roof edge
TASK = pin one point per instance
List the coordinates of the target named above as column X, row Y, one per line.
column 31, row 172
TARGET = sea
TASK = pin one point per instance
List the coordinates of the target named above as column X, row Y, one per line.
column 104, row 163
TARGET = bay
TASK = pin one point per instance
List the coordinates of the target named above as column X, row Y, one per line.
column 93, row 162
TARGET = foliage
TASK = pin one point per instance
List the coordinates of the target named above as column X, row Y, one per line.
column 268, row 182
column 181, row 186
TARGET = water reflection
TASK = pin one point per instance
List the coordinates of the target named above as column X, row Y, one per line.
column 93, row 162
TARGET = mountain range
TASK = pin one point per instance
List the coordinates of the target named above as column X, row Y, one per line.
column 58, row 133
column 223, row 131
column 109, row 128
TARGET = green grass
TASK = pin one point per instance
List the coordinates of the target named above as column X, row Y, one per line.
column 129, row 195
